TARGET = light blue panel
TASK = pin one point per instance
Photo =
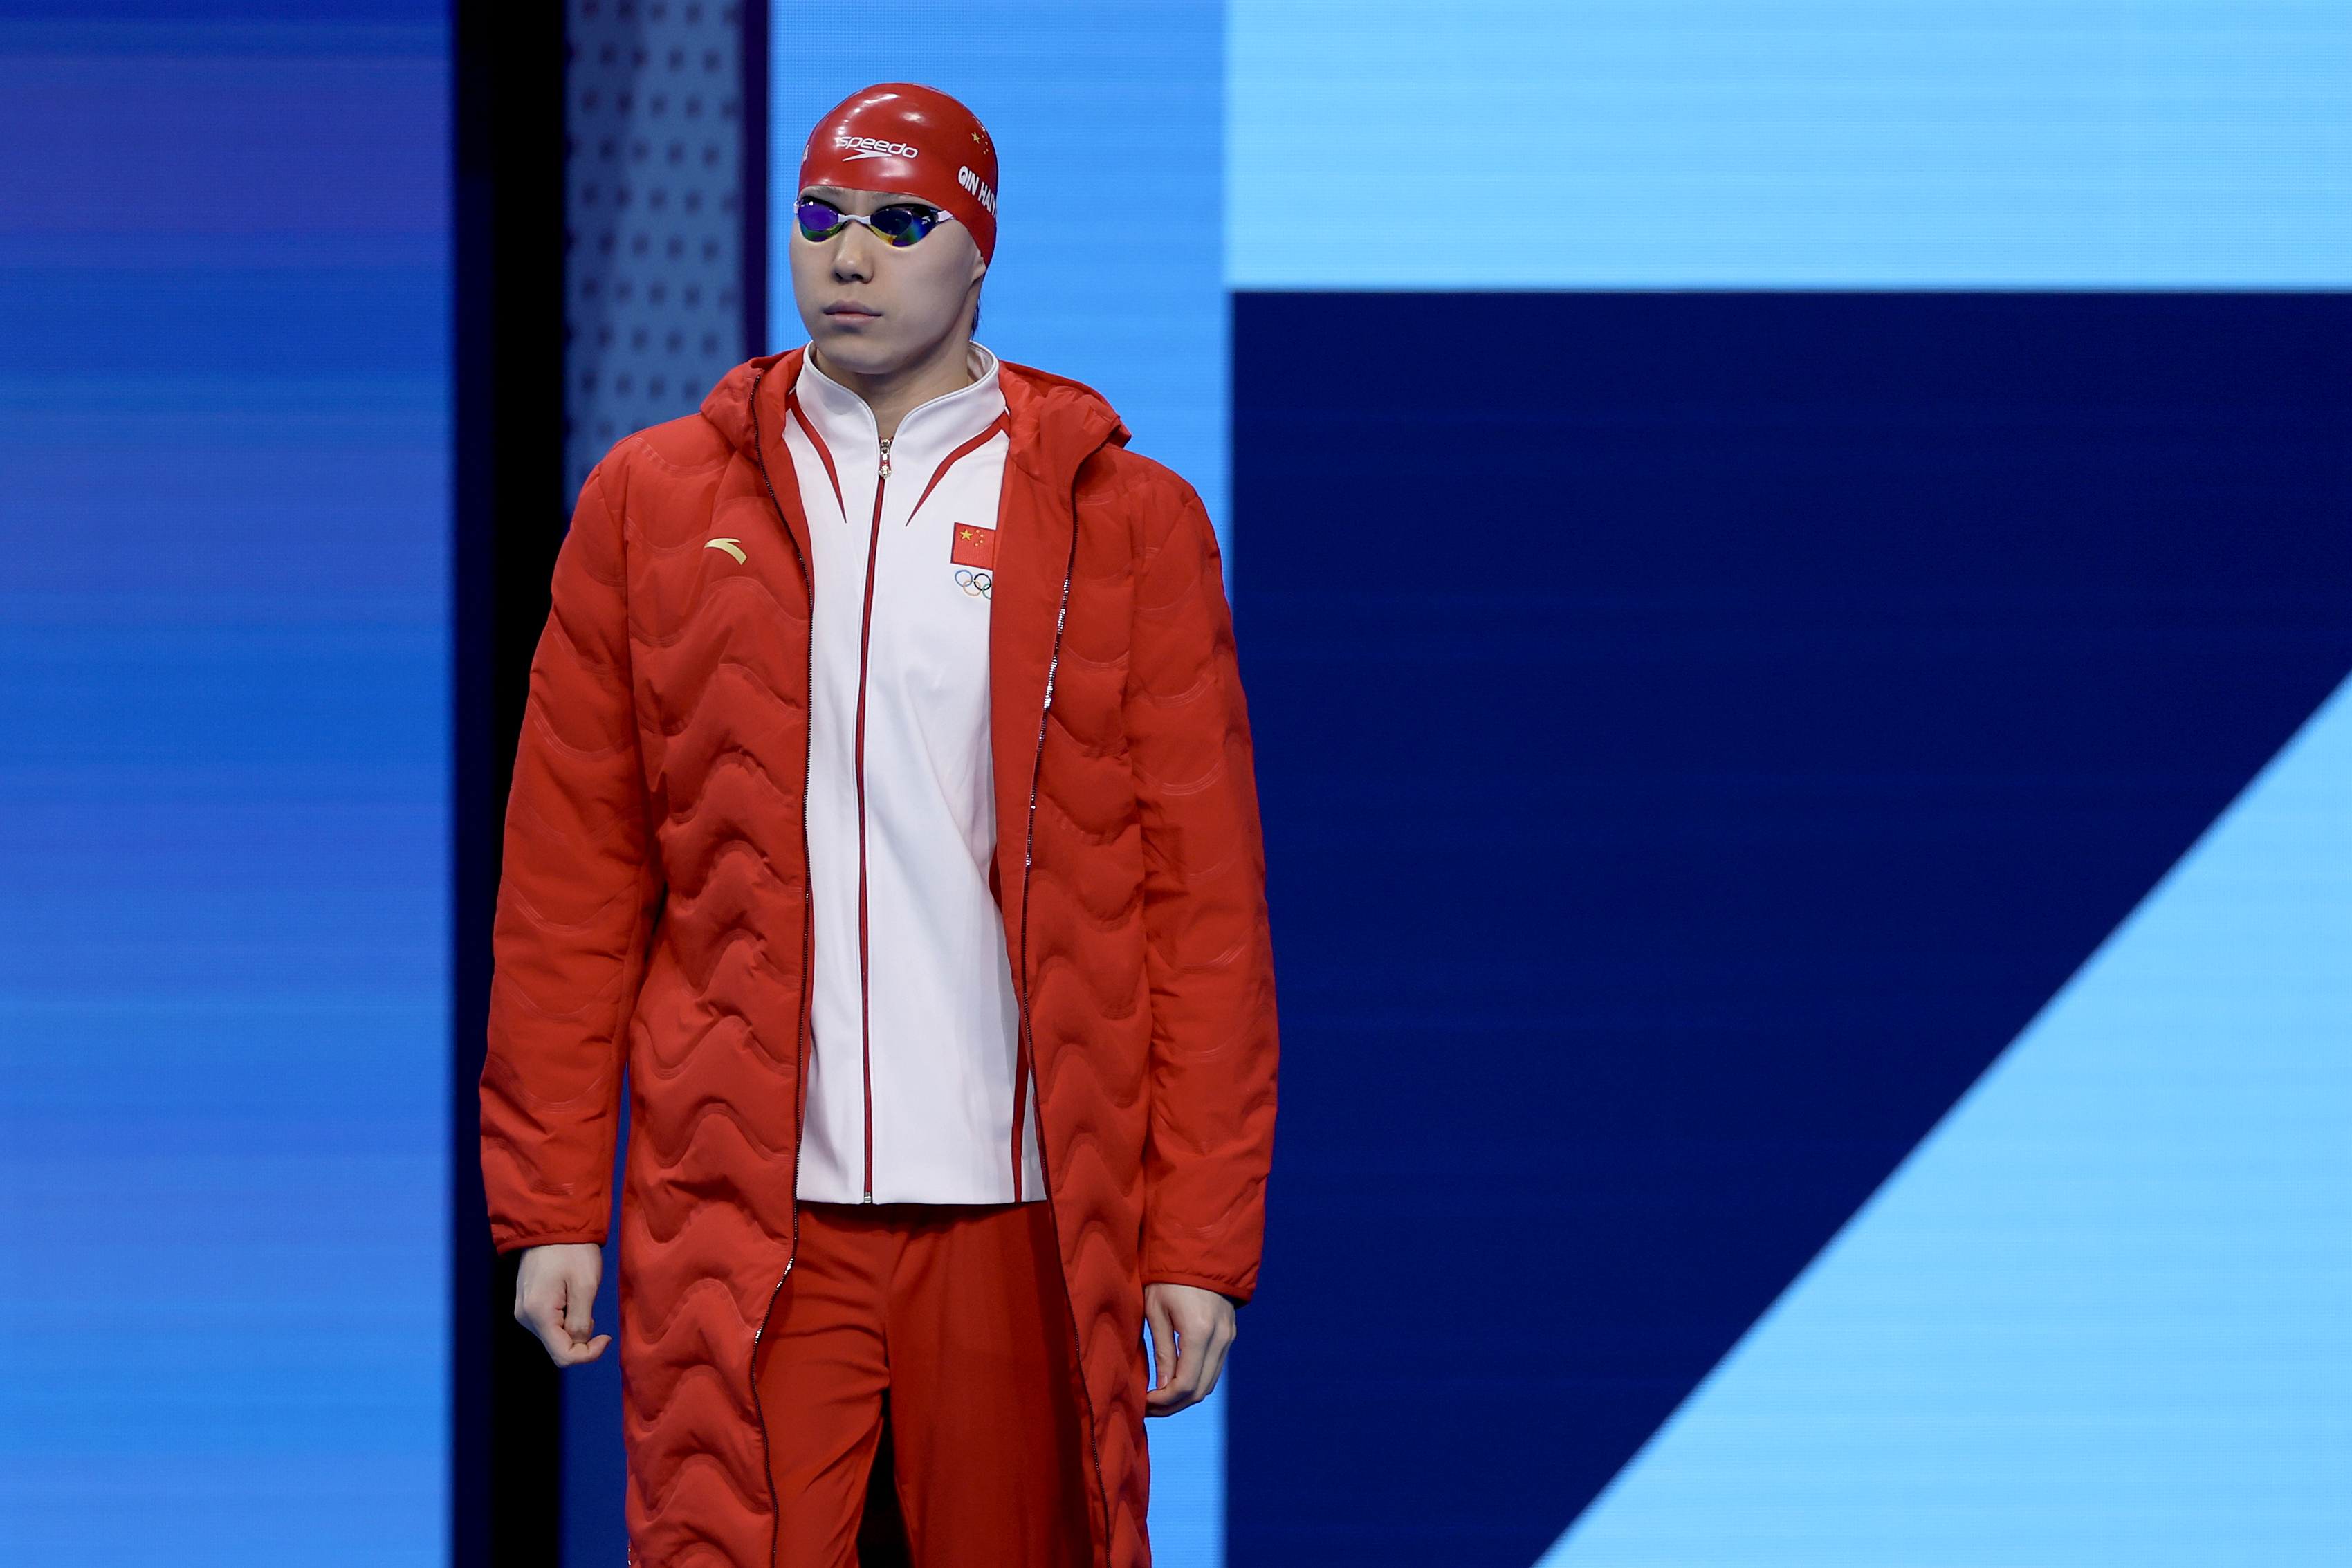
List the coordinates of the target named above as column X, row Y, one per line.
column 1108, row 122
column 2104, row 1314
column 1188, row 1482
column 224, row 821
column 1832, row 144
column 1109, row 125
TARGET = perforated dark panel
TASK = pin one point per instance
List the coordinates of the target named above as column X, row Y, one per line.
column 655, row 195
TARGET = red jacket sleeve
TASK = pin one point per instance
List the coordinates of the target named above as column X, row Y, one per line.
column 576, row 902
column 1210, row 959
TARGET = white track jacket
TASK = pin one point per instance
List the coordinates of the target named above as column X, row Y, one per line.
column 911, row 1093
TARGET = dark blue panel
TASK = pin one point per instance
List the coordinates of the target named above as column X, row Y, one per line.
column 1696, row 733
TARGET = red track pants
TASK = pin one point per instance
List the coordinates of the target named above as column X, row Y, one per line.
column 951, row 1321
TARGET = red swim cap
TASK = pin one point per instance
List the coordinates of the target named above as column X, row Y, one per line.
column 896, row 136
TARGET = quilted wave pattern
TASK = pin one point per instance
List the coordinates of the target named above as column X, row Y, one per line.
column 654, row 911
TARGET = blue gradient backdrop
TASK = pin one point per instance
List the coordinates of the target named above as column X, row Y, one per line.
column 1703, row 732
column 223, row 604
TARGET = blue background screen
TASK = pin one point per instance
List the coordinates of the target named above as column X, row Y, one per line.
column 224, row 603
column 1790, row 568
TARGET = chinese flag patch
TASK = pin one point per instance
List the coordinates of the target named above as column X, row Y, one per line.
column 973, row 547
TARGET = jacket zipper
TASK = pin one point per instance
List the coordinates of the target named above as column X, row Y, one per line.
column 808, row 929
column 1029, row 1033
column 864, row 658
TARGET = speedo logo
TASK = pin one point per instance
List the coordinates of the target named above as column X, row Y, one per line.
column 867, row 147
column 978, row 187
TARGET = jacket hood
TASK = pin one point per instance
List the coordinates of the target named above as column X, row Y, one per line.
column 1054, row 423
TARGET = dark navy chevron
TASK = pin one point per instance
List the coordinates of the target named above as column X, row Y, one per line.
column 1697, row 732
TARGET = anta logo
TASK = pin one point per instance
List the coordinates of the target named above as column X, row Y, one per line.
column 867, row 147
column 732, row 546
column 978, row 187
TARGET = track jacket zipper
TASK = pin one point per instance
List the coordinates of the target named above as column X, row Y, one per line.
column 864, row 944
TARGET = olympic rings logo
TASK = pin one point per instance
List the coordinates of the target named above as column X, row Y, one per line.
column 976, row 583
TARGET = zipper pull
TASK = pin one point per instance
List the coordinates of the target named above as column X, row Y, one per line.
column 886, row 457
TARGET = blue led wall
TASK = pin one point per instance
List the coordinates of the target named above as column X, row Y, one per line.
column 224, row 603
column 1702, row 731
column 1790, row 558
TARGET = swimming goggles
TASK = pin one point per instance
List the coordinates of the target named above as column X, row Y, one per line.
column 897, row 225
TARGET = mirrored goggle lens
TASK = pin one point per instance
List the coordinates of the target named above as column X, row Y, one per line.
column 904, row 226
column 818, row 221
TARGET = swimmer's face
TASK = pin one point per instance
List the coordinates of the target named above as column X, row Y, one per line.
column 872, row 308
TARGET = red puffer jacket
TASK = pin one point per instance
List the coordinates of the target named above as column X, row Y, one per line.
column 654, row 914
